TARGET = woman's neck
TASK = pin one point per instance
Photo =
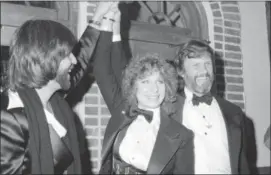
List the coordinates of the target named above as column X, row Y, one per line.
column 149, row 109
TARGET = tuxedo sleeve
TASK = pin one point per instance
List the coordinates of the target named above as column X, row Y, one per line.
column 103, row 73
column 83, row 51
column 13, row 145
column 118, row 60
column 244, row 164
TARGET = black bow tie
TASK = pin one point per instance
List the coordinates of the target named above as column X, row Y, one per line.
column 207, row 98
column 135, row 111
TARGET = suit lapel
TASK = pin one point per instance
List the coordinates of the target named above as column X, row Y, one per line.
column 167, row 143
column 62, row 154
column 179, row 106
column 233, row 133
column 109, row 139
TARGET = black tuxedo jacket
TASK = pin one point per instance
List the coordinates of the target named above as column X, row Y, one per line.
column 235, row 125
column 173, row 151
column 15, row 158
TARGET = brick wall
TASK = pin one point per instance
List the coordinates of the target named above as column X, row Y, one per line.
column 96, row 119
column 96, row 112
column 229, row 73
column 227, row 43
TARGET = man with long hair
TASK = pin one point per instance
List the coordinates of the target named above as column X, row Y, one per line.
column 38, row 130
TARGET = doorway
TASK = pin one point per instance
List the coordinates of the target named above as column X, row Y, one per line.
column 161, row 27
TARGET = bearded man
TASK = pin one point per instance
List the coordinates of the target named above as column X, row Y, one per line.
column 218, row 125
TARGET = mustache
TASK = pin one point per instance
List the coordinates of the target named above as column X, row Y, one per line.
column 203, row 75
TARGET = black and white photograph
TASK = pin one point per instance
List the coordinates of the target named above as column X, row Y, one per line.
column 135, row 87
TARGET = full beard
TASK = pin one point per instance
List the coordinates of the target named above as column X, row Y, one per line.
column 203, row 83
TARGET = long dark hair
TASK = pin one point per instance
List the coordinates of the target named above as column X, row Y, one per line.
column 36, row 49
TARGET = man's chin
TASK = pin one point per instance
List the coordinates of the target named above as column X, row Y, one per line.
column 204, row 87
column 204, row 91
column 65, row 87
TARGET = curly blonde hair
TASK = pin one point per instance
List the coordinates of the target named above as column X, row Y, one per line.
column 139, row 68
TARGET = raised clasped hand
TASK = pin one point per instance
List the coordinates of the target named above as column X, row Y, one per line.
column 105, row 8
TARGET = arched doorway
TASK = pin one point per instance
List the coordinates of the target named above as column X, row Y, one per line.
column 157, row 26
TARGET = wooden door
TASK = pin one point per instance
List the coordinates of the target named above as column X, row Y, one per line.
column 145, row 38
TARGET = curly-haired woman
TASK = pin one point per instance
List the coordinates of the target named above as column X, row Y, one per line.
column 141, row 136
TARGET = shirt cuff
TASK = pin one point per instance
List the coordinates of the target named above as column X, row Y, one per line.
column 116, row 38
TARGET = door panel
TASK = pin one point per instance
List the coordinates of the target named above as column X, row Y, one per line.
column 140, row 48
column 152, row 38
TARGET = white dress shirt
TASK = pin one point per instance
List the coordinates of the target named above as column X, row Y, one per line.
column 138, row 143
column 15, row 102
column 210, row 141
column 116, row 38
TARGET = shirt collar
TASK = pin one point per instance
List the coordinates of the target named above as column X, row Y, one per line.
column 14, row 100
column 156, row 115
column 188, row 93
